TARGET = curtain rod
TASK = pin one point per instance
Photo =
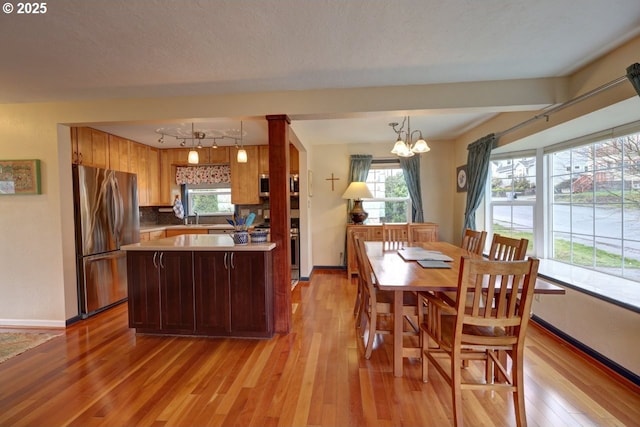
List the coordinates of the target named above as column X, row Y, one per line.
column 564, row 105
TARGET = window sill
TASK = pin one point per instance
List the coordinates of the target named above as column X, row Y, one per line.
column 616, row 290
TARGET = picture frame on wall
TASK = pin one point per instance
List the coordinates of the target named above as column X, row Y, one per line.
column 19, row 177
column 461, row 178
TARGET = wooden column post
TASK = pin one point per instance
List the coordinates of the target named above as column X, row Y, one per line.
column 279, row 203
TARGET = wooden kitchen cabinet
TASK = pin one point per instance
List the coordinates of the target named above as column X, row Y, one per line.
column 213, row 293
column 294, row 160
column 139, row 165
column 118, row 153
column 146, row 236
column 244, row 178
column 234, row 293
column 89, row 147
column 143, row 291
column 219, row 155
column 160, row 286
column 263, row 157
column 153, row 177
column 420, row 232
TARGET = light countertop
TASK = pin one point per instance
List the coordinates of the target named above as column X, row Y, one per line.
column 145, row 228
column 198, row 242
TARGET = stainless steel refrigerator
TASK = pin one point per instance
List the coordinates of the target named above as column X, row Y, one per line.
column 106, row 217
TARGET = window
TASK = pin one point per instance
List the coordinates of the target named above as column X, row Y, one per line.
column 578, row 203
column 391, row 201
column 595, row 209
column 209, row 199
column 513, row 198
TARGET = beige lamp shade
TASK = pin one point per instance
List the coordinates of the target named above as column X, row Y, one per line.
column 357, row 191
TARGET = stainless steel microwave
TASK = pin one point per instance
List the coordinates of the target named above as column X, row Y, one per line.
column 264, row 185
column 294, row 185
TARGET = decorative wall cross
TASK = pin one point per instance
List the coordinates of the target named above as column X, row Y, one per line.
column 333, row 180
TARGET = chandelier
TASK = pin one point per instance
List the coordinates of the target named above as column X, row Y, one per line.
column 405, row 145
column 198, row 136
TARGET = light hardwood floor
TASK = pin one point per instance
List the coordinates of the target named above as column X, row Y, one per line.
column 100, row 373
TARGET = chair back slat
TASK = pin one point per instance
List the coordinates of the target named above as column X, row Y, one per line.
column 507, row 248
column 394, row 236
column 473, row 241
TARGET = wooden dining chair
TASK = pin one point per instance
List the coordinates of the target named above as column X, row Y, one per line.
column 422, row 232
column 473, row 241
column 376, row 302
column 394, row 236
column 507, row 248
column 451, row 334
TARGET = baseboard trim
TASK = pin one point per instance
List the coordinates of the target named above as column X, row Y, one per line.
column 588, row 351
column 32, row 323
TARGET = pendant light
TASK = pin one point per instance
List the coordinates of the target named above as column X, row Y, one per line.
column 408, row 148
column 194, row 157
column 242, row 153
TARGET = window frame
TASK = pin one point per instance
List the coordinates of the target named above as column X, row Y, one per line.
column 386, row 164
column 217, row 186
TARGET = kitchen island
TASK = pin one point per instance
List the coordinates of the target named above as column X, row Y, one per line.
column 200, row 284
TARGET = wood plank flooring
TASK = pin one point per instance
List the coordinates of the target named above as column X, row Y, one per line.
column 100, row 373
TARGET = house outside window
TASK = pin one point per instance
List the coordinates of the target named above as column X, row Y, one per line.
column 595, row 209
column 391, row 201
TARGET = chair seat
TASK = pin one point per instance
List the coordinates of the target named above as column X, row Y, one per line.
column 447, row 324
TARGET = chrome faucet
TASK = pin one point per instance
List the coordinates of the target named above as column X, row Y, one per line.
column 197, row 217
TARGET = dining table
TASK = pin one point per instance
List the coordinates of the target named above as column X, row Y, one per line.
column 393, row 273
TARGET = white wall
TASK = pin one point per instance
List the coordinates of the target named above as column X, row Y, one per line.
column 329, row 209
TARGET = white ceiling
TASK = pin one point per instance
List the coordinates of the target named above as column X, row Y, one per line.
column 91, row 49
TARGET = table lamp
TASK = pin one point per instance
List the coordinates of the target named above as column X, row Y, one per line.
column 357, row 191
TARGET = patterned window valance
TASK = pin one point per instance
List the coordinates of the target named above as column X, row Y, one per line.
column 203, row 174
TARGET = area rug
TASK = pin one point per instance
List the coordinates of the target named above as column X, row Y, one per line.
column 14, row 343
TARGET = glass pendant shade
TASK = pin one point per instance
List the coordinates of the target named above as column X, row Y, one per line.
column 242, row 156
column 399, row 147
column 420, row 146
column 193, row 158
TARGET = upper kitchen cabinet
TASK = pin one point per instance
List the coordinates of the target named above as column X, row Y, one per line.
column 294, row 161
column 119, row 153
column 244, row 178
column 219, row 155
column 89, row 147
column 263, row 155
column 153, row 179
column 139, row 164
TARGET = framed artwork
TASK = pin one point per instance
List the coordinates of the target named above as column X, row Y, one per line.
column 461, row 178
column 19, row 177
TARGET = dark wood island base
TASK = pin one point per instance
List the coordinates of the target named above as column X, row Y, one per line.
column 200, row 285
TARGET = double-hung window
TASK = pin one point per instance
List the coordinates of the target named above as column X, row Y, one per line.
column 512, row 197
column 391, row 201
